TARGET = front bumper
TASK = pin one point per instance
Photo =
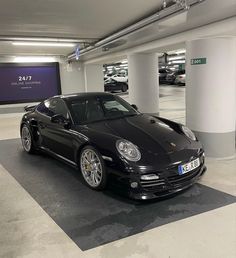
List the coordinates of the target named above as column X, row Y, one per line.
column 168, row 183
column 169, row 186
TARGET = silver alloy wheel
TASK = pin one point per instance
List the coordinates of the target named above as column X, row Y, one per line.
column 26, row 138
column 91, row 167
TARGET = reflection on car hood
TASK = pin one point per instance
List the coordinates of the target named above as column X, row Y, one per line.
column 147, row 132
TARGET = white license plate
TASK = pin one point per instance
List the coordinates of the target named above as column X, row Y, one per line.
column 183, row 169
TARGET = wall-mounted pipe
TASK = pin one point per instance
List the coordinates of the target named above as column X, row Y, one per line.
column 172, row 7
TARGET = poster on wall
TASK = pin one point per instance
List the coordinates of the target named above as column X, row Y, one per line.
column 26, row 82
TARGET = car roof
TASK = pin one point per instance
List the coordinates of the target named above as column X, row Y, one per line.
column 83, row 95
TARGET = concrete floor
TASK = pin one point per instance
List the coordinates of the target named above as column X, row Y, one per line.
column 26, row 230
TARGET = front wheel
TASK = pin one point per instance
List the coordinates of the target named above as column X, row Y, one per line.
column 27, row 139
column 93, row 168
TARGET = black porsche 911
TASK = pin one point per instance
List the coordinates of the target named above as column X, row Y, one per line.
column 112, row 143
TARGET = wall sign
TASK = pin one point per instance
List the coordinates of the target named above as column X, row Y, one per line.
column 198, row 61
column 28, row 82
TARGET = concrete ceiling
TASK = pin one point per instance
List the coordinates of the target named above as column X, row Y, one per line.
column 205, row 13
column 77, row 19
column 71, row 18
column 93, row 20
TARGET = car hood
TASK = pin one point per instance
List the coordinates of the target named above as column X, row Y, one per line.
column 147, row 132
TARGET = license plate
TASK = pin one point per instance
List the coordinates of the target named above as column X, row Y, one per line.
column 183, row 169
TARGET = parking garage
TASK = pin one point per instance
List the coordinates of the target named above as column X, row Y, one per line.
column 164, row 76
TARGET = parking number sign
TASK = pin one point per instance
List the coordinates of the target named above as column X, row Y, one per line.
column 198, row 61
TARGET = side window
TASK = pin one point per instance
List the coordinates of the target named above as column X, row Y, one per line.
column 43, row 108
column 52, row 107
column 59, row 107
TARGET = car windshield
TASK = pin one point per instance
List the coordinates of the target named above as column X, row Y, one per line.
column 86, row 110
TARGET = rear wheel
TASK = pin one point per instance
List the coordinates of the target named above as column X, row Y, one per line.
column 93, row 168
column 27, row 139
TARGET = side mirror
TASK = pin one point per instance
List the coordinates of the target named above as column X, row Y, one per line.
column 134, row 106
column 60, row 119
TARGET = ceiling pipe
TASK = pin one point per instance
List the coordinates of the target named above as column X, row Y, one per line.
column 169, row 8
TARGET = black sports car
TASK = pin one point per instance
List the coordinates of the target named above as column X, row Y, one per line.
column 113, row 85
column 112, row 143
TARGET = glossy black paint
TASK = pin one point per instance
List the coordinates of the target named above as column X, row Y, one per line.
column 162, row 144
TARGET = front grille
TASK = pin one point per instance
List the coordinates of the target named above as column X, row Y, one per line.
column 181, row 179
column 170, row 178
column 152, row 183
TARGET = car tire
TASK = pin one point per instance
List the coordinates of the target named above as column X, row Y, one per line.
column 27, row 139
column 93, row 168
column 124, row 88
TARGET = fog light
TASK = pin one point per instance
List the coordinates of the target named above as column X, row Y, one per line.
column 150, row 177
column 134, row 184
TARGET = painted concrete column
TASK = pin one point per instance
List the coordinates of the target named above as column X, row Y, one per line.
column 211, row 94
column 143, row 82
column 94, row 78
column 72, row 77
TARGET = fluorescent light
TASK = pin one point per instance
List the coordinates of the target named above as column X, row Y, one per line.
column 176, row 58
column 34, row 59
column 43, row 44
column 124, row 61
column 124, row 65
column 178, row 62
column 181, row 51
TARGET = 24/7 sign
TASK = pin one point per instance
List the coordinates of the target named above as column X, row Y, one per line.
column 198, row 61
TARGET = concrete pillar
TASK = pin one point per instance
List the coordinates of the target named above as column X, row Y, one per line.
column 143, row 82
column 211, row 94
column 72, row 77
column 94, row 78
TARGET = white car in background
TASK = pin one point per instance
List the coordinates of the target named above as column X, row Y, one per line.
column 180, row 79
column 120, row 78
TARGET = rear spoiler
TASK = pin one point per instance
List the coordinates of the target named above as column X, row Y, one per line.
column 29, row 108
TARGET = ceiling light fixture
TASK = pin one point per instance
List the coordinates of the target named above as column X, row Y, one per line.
column 43, row 44
column 176, row 58
column 181, row 51
column 34, row 59
column 178, row 62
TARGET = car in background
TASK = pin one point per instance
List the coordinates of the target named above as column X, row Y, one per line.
column 112, row 85
column 111, row 143
column 180, row 79
column 163, row 75
column 170, row 78
column 120, row 78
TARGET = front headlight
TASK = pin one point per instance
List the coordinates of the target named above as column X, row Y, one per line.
column 189, row 133
column 128, row 150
